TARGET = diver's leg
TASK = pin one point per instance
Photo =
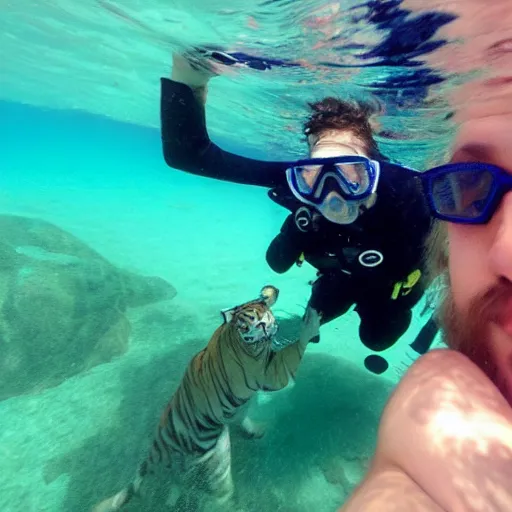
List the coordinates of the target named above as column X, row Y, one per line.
column 382, row 323
column 385, row 319
column 419, row 346
column 425, row 337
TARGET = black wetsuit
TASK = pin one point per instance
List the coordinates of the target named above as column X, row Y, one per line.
column 393, row 230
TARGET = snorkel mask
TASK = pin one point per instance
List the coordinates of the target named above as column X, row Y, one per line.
column 337, row 187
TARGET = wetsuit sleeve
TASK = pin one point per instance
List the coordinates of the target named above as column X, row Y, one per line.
column 187, row 146
column 286, row 247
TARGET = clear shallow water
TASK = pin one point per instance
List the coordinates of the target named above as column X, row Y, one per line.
column 106, row 57
column 106, row 183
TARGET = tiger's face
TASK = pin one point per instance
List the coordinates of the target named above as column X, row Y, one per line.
column 254, row 321
column 256, row 324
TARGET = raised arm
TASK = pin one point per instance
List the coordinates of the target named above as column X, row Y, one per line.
column 186, row 144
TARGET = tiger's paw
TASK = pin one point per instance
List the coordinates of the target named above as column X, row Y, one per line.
column 104, row 506
column 252, row 429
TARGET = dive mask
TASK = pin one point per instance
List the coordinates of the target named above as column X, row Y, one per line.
column 337, row 187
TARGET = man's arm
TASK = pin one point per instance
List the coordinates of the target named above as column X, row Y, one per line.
column 185, row 140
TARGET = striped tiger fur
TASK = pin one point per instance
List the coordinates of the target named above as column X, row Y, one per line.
column 192, row 437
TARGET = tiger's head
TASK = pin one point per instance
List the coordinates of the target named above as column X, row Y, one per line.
column 254, row 321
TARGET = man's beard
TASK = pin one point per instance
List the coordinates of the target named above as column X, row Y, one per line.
column 469, row 332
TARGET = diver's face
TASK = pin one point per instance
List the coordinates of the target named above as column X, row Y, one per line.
column 336, row 143
column 341, row 143
column 479, row 309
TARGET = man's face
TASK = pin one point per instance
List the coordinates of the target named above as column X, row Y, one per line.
column 340, row 143
column 478, row 311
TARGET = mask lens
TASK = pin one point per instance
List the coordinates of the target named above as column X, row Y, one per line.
column 306, row 176
column 462, row 194
column 356, row 177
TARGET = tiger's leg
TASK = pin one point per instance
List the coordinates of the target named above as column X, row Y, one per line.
column 189, row 500
column 214, row 477
column 249, row 428
column 252, row 429
column 161, row 456
column 120, row 499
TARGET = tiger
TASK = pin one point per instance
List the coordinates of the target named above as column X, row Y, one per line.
column 242, row 357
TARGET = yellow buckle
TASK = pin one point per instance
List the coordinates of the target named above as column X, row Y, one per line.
column 406, row 286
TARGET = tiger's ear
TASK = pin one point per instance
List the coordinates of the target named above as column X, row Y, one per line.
column 227, row 314
column 269, row 295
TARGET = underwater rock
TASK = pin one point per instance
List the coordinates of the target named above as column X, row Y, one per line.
column 62, row 305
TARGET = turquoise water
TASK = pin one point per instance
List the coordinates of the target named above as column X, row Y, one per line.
column 106, row 57
column 100, row 176
column 106, row 183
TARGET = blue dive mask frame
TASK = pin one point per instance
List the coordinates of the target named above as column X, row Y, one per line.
column 334, row 174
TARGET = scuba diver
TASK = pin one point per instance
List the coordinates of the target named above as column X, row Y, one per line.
column 357, row 218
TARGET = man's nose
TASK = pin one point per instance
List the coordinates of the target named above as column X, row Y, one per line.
column 501, row 249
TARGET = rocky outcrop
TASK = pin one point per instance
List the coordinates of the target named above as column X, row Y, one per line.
column 62, row 305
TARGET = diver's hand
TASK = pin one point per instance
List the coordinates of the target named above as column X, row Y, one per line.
column 192, row 71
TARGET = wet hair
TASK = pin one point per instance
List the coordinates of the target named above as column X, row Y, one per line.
column 437, row 277
column 335, row 114
column 436, row 254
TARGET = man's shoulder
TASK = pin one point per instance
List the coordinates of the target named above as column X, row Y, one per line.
column 432, row 426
